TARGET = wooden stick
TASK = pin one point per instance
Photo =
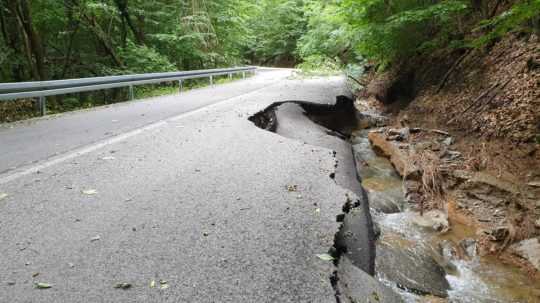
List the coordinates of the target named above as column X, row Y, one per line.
column 359, row 83
column 451, row 70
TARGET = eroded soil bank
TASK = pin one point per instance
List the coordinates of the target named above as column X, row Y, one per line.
column 393, row 248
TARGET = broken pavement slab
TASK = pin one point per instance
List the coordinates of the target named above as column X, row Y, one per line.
column 354, row 285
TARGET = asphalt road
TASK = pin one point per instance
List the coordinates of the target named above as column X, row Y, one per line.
column 197, row 198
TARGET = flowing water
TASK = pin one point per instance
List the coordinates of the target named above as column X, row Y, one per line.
column 473, row 279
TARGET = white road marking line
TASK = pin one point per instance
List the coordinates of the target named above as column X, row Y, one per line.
column 33, row 168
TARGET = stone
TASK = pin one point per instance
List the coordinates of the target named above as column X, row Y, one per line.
column 354, row 285
column 383, row 202
column 447, row 250
column 448, row 141
column 371, row 120
column 401, row 134
column 388, row 149
column 412, row 269
column 529, row 250
column 534, row 184
column 368, row 164
column 435, row 219
column 469, row 247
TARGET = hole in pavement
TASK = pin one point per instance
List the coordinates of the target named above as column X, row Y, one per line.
column 355, row 236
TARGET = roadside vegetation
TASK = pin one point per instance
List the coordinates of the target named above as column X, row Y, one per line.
column 48, row 40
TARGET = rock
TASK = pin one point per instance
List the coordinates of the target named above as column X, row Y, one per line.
column 354, row 285
column 534, row 184
column 371, row 120
column 469, row 247
column 448, row 250
column 433, row 219
column 355, row 238
column 368, row 163
column 397, row 156
column 383, row 202
column 448, row 141
column 487, row 183
column 528, row 249
column 376, row 230
column 462, row 175
column 401, row 134
column 452, row 155
column 498, row 233
column 412, row 269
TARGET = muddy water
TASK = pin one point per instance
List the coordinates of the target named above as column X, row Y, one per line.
column 471, row 279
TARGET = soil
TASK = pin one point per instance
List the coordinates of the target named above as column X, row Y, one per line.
column 490, row 106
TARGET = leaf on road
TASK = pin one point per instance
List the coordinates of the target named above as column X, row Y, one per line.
column 292, row 187
column 40, row 285
column 107, row 158
column 96, row 238
column 89, row 192
column 318, row 210
column 325, row 257
column 163, row 284
column 152, row 283
column 3, row 196
column 123, row 285
column 35, row 274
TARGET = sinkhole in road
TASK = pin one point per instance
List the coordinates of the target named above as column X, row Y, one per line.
column 330, row 126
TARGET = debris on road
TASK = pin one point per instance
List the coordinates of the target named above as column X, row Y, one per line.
column 89, row 192
column 40, row 285
column 325, row 257
column 3, row 196
column 123, row 285
column 96, row 238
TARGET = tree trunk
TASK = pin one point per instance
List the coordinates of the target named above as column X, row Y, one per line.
column 34, row 40
column 138, row 33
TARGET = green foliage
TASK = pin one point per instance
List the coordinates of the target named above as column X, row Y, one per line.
column 319, row 65
column 143, row 59
column 517, row 18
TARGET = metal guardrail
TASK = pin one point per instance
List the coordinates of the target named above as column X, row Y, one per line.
column 42, row 89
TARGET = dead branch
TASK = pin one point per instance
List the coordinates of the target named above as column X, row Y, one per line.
column 355, row 80
column 451, row 70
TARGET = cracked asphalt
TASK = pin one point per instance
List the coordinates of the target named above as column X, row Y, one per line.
column 199, row 200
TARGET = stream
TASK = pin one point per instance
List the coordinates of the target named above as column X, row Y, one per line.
column 383, row 251
column 471, row 278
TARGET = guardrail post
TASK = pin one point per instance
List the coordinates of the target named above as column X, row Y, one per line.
column 179, row 86
column 211, row 80
column 230, row 76
column 42, row 102
column 243, row 75
column 131, row 94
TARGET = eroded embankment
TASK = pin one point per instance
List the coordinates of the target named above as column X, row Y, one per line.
column 414, row 261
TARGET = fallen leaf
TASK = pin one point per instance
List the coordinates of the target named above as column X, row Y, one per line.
column 163, row 284
column 123, row 285
column 152, row 283
column 325, row 257
column 71, row 265
column 35, row 274
column 96, row 238
column 107, row 158
column 40, row 285
column 3, row 195
column 89, row 192
column 317, row 210
column 292, row 187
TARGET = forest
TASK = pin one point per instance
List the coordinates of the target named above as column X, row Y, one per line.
column 51, row 39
